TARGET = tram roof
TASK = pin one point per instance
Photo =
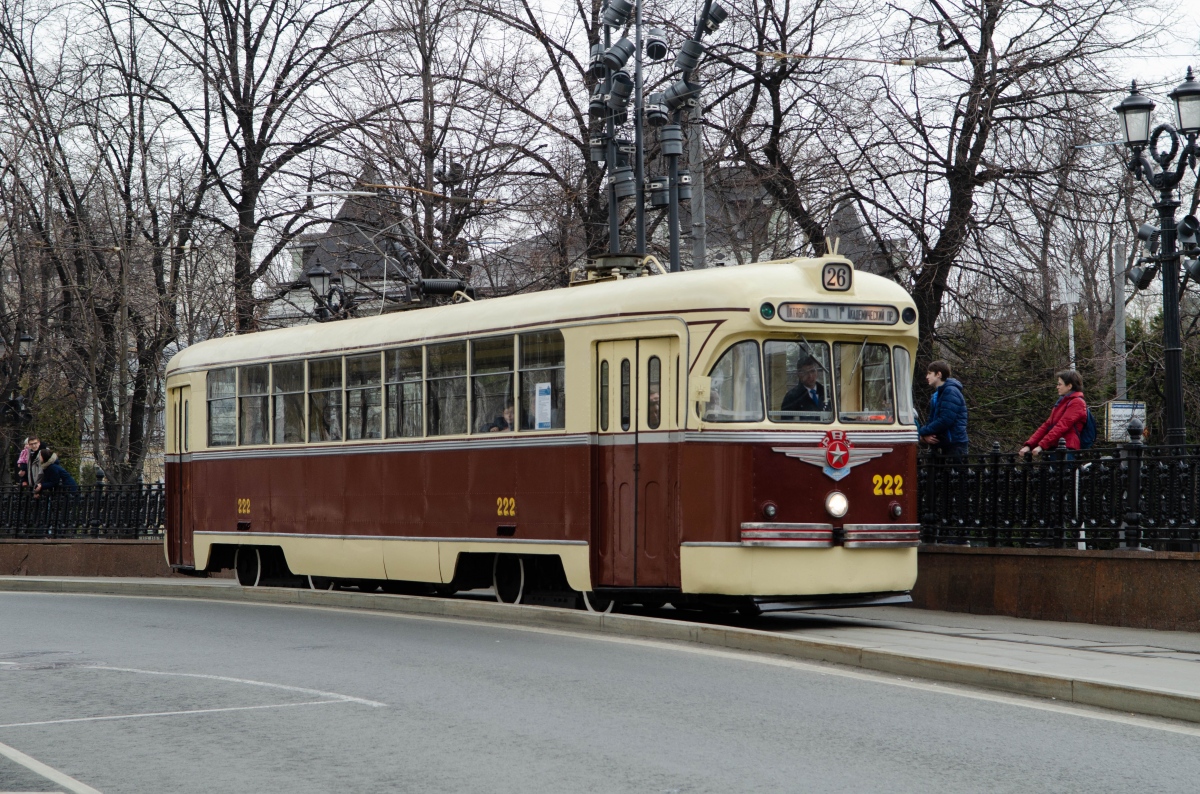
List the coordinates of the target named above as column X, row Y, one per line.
column 713, row 289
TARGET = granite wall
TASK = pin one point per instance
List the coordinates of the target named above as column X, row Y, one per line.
column 1143, row 589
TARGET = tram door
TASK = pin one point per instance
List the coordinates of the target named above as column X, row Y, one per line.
column 179, row 477
column 638, row 534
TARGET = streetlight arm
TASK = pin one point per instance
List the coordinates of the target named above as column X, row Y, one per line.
column 1141, row 166
column 1141, row 162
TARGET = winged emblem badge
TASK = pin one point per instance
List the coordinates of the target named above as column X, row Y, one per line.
column 836, row 455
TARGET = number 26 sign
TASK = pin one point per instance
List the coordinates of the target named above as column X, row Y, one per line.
column 836, row 277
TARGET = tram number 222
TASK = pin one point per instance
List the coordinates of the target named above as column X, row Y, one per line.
column 888, row 485
column 506, row 506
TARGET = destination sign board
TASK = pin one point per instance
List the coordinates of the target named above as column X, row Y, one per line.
column 839, row 313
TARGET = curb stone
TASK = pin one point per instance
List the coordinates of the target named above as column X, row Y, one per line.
column 1101, row 694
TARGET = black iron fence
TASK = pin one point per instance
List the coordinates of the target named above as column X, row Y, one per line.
column 1130, row 496
column 116, row 512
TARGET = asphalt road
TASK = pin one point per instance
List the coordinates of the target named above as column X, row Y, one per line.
column 160, row 695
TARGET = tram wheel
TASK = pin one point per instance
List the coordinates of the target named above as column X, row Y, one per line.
column 599, row 604
column 750, row 610
column 248, row 566
column 508, row 578
column 320, row 583
column 654, row 603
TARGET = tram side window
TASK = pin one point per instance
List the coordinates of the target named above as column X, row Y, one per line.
column 404, row 404
column 864, row 383
column 446, row 399
column 604, row 394
column 625, row 380
column 653, row 393
column 736, row 391
column 799, row 378
column 252, row 404
column 288, row 406
column 222, row 407
column 364, row 397
column 325, row 399
column 543, row 381
column 904, row 381
column 492, row 384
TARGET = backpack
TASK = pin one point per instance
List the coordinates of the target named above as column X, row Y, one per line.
column 1087, row 434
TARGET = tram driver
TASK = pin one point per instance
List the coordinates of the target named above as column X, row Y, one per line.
column 809, row 394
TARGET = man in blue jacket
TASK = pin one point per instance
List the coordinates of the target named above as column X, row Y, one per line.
column 946, row 429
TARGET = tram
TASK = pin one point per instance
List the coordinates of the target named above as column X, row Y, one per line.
column 729, row 438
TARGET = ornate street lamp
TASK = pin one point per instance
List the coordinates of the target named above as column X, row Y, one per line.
column 318, row 279
column 1134, row 113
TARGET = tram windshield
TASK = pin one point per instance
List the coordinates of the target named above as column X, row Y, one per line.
column 864, row 383
column 798, row 381
column 811, row 381
column 736, row 392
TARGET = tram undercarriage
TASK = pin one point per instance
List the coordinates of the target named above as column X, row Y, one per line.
column 530, row 579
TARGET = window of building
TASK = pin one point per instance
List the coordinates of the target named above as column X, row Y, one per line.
column 446, row 384
column 325, row 399
column 735, row 394
column 543, row 380
column 799, row 379
column 492, row 384
column 404, row 403
column 288, row 408
column 222, row 407
column 364, row 397
column 253, row 407
column 864, row 383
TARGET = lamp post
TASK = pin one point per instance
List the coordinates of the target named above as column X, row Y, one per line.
column 13, row 411
column 1134, row 114
column 610, row 100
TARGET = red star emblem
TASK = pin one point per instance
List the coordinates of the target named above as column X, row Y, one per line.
column 837, row 449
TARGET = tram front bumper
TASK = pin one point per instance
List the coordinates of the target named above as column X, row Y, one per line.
column 780, row 571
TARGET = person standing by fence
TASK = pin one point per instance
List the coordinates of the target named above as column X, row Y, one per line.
column 1067, row 417
column 23, row 466
column 54, row 476
column 946, row 429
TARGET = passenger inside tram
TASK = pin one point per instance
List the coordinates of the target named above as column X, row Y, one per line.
column 504, row 422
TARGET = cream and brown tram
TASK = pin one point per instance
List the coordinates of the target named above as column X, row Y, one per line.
column 729, row 438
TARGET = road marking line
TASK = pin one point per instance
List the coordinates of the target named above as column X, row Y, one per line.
column 228, row 679
column 168, row 714
column 51, row 774
column 964, row 691
column 1030, row 701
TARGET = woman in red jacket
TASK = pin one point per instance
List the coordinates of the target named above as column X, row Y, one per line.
column 1067, row 418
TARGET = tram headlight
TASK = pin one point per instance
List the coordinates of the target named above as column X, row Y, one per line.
column 767, row 311
column 769, row 510
column 909, row 315
column 836, row 504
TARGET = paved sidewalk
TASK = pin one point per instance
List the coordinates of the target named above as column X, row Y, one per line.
column 1166, row 661
column 1135, row 670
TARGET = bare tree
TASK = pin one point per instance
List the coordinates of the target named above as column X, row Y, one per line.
column 101, row 213
column 940, row 140
column 261, row 86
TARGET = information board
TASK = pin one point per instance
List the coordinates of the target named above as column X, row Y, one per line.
column 1117, row 416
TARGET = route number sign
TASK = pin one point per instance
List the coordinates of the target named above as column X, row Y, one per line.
column 836, row 277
